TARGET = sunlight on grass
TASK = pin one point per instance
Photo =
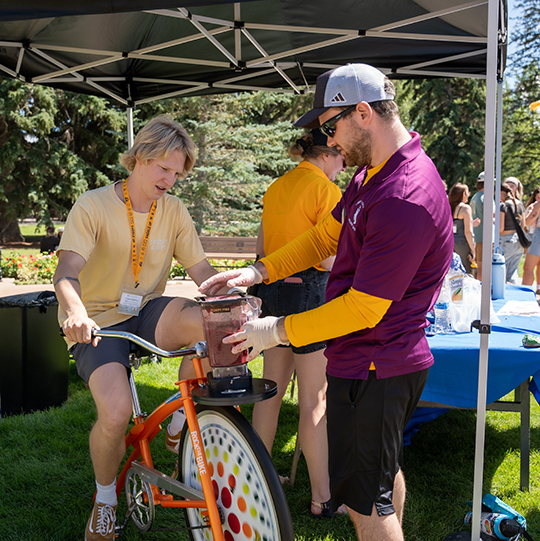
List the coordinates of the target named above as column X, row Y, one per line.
column 47, row 484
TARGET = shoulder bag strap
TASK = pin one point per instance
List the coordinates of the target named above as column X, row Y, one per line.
column 513, row 215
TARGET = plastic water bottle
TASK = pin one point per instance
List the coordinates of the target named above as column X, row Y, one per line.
column 442, row 323
column 498, row 274
column 496, row 525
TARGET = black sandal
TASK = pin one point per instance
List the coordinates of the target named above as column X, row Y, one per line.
column 325, row 510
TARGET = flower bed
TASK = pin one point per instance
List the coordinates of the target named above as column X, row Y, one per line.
column 29, row 269
column 39, row 269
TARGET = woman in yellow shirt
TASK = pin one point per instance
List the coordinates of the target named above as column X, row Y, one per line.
column 293, row 204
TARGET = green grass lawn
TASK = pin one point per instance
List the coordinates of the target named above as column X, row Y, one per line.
column 46, row 480
column 31, row 233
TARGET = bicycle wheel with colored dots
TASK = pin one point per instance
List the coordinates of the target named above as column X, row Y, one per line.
column 247, row 487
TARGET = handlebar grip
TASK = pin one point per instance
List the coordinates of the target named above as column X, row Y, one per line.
column 62, row 333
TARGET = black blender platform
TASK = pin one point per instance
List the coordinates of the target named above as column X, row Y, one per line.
column 259, row 390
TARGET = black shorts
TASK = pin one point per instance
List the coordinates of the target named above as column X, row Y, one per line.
column 116, row 350
column 365, row 422
column 284, row 297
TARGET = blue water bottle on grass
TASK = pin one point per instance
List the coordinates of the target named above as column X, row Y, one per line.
column 498, row 274
column 496, row 525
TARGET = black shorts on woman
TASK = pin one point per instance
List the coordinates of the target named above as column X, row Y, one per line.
column 298, row 293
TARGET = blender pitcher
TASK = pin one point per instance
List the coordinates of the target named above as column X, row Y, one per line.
column 224, row 315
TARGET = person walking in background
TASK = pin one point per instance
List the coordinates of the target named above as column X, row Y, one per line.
column 49, row 243
column 510, row 209
column 463, row 224
column 477, row 209
column 391, row 234
column 517, row 187
column 293, row 204
column 532, row 258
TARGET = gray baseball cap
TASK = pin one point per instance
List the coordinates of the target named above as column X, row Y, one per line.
column 346, row 85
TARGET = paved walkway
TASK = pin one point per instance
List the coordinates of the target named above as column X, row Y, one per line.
column 175, row 288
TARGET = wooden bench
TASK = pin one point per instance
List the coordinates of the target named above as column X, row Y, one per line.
column 229, row 247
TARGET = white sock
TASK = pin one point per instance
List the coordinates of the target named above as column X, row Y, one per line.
column 106, row 494
column 177, row 422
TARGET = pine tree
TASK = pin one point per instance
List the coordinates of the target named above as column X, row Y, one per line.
column 53, row 147
column 449, row 115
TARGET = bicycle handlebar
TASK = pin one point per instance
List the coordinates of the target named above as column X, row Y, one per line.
column 200, row 349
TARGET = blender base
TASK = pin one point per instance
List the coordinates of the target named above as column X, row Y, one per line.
column 219, row 395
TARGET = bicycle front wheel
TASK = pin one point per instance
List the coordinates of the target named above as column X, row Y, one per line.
column 247, row 488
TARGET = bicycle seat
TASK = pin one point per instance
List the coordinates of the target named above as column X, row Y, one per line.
column 137, row 353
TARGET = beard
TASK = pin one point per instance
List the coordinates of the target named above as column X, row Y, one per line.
column 359, row 146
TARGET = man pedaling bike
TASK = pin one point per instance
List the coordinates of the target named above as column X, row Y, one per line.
column 112, row 274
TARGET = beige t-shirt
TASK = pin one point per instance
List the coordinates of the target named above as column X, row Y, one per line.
column 97, row 228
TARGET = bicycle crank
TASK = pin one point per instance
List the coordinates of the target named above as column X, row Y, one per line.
column 140, row 501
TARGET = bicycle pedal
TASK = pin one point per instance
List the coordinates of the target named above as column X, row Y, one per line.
column 120, row 528
column 163, row 497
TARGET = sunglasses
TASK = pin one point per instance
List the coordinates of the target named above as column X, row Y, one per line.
column 329, row 127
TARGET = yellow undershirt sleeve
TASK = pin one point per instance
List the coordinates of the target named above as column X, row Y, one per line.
column 305, row 251
column 348, row 313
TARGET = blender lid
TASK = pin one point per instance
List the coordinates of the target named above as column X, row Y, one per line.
column 222, row 300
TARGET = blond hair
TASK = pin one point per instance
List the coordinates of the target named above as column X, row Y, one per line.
column 156, row 140
column 518, row 194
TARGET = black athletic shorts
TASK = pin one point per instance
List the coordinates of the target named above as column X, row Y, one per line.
column 109, row 350
column 365, row 421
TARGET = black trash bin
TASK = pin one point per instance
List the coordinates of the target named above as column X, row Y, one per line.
column 34, row 360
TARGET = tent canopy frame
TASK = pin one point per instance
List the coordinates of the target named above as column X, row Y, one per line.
column 235, row 68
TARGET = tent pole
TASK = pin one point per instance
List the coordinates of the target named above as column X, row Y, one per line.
column 491, row 90
column 130, row 126
column 499, row 160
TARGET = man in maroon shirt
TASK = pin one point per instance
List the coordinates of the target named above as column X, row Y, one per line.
column 394, row 248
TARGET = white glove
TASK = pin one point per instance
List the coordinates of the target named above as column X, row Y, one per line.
column 259, row 334
column 247, row 276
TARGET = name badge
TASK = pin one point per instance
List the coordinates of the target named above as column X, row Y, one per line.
column 130, row 304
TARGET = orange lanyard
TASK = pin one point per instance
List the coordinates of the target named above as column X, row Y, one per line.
column 137, row 263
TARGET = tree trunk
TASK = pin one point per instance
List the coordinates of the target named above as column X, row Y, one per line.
column 9, row 231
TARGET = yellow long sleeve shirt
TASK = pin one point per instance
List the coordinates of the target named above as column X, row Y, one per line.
column 348, row 313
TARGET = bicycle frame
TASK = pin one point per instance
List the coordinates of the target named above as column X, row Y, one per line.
column 145, row 429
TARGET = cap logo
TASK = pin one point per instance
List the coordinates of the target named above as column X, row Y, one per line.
column 338, row 98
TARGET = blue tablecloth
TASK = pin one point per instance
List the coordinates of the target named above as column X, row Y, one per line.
column 453, row 379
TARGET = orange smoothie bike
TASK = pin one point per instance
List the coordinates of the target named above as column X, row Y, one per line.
column 224, row 477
